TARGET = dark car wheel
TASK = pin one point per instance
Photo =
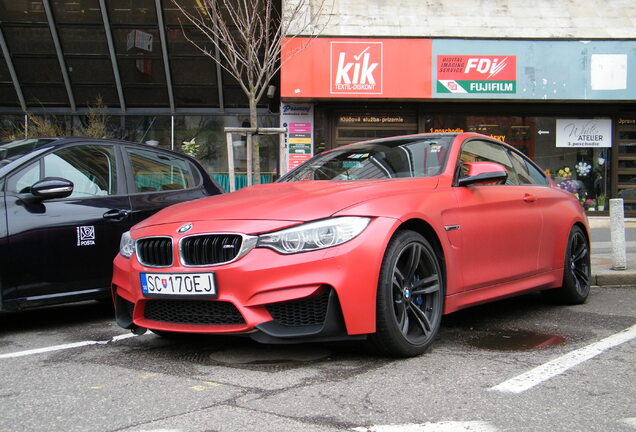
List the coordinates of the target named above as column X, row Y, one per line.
column 576, row 273
column 410, row 297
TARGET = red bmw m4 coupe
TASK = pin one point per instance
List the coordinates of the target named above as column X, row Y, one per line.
column 375, row 240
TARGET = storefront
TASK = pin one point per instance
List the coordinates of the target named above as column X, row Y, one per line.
column 567, row 104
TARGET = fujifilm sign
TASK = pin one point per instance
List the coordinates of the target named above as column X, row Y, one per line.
column 476, row 74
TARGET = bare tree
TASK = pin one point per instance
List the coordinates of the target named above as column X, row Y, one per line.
column 246, row 38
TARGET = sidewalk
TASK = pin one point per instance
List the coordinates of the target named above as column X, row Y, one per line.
column 602, row 273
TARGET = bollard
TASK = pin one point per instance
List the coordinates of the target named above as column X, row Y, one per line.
column 617, row 226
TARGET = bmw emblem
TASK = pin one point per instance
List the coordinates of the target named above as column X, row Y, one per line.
column 185, row 228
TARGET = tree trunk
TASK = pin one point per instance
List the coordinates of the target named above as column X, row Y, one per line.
column 256, row 156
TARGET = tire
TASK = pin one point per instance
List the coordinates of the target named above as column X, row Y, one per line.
column 576, row 271
column 410, row 297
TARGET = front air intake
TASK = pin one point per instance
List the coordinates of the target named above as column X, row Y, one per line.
column 210, row 249
column 155, row 251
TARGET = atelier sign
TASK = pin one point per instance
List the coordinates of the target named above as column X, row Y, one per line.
column 584, row 133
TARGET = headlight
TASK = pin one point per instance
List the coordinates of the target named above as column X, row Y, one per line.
column 314, row 235
column 126, row 245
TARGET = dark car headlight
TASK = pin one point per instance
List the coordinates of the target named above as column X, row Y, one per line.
column 126, row 245
column 314, row 235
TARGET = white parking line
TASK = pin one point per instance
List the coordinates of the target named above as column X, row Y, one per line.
column 445, row 426
column 559, row 365
column 630, row 422
column 64, row 346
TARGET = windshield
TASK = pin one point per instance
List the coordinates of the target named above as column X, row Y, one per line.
column 10, row 151
column 403, row 157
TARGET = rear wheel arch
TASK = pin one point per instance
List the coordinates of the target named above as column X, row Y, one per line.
column 576, row 279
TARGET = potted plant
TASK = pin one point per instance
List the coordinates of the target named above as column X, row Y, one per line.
column 600, row 202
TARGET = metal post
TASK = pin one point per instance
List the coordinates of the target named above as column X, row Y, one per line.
column 111, row 51
column 230, row 161
column 164, row 53
column 60, row 55
column 282, row 152
column 249, row 159
column 249, row 131
column 14, row 76
column 617, row 234
column 172, row 132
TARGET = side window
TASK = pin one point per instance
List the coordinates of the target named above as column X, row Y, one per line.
column 484, row 151
column 22, row 181
column 91, row 168
column 527, row 173
column 155, row 171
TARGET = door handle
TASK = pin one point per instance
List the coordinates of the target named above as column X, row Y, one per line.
column 116, row 214
column 529, row 198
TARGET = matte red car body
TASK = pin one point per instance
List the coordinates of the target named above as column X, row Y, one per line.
column 502, row 249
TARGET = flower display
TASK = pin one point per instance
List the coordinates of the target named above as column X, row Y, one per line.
column 191, row 148
column 569, row 186
column 565, row 172
column 583, row 168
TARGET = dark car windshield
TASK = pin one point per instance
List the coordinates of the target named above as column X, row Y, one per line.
column 403, row 157
column 10, row 151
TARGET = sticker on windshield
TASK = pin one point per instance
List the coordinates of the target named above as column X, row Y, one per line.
column 85, row 235
column 351, row 164
column 358, row 156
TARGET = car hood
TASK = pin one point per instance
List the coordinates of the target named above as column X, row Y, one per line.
column 294, row 202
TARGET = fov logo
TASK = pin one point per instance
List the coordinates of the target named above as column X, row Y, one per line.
column 484, row 65
column 356, row 67
column 476, row 74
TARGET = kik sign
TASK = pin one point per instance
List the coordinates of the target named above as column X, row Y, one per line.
column 351, row 68
column 356, row 67
column 476, row 74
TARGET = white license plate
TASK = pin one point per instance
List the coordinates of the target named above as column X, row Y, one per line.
column 178, row 284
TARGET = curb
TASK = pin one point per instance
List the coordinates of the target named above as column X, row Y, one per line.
column 614, row 278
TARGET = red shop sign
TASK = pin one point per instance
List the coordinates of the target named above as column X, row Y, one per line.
column 356, row 68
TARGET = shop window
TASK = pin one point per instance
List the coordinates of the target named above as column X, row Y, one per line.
column 141, row 12
column 30, row 11
column 48, row 94
column 626, row 163
column 8, row 96
column 584, row 172
column 84, row 41
column 38, row 70
column 29, row 40
column 77, row 12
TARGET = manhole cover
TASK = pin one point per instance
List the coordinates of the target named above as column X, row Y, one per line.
column 515, row 340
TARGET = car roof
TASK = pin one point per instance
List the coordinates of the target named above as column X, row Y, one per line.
column 56, row 142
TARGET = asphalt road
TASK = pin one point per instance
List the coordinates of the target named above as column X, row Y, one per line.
column 81, row 379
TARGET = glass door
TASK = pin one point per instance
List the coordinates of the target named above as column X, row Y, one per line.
column 626, row 163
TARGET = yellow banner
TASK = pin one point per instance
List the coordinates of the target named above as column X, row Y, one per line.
column 300, row 140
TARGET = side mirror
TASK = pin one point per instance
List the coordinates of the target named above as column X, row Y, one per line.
column 51, row 188
column 483, row 173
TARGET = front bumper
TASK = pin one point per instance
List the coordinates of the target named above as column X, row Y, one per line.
column 314, row 295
